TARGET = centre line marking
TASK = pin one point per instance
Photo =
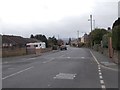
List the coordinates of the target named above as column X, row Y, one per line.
column 17, row 73
column 48, row 60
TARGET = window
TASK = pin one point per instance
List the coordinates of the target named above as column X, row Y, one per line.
column 35, row 45
column 28, row 45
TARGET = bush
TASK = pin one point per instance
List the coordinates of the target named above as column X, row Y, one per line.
column 54, row 47
column 105, row 39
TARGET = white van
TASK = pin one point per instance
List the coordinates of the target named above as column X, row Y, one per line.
column 36, row 45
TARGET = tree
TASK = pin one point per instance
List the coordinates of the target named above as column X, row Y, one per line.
column 116, row 23
column 32, row 36
column 96, row 35
column 105, row 39
column 42, row 38
column 69, row 42
column 116, row 34
column 52, row 41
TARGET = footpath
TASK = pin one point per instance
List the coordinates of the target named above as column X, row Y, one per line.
column 105, row 61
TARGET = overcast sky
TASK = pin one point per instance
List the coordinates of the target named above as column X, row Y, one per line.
column 55, row 17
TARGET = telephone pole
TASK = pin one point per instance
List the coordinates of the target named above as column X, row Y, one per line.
column 91, row 22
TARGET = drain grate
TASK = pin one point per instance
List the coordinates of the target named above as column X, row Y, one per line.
column 65, row 76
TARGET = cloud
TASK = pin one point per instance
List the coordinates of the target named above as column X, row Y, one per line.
column 63, row 21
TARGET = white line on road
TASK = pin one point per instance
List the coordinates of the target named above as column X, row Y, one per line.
column 95, row 58
column 101, row 81
column 101, row 77
column 17, row 73
column 109, row 68
column 103, row 86
column 100, row 73
column 99, row 70
column 30, row 59
column 49, row 60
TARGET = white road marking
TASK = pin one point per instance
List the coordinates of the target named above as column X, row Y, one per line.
column 100, row 73
column 48, row 85
column 99, row 70
column 103, row 86
column 101, row 81
column 10, row 68
column 17, row 73
column 5, row 62
column 49, row 60
column 83, row 57
column 101, row 77
column 30, row 59
column 95, row 58
column 65, row 76
column 102, row 65
column 68, row 57
column 109, row 68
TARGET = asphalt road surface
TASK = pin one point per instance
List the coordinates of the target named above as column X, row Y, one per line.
column 72, row 68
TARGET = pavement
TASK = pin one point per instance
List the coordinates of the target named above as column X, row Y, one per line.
column 105, row 61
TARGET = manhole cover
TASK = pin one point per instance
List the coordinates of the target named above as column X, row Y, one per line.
column 64, row 76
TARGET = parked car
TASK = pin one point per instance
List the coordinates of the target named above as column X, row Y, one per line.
column 63, row 47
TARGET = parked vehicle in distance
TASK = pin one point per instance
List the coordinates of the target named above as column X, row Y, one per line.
column 63, row 47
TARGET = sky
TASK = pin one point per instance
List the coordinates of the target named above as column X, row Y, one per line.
column 59, row 18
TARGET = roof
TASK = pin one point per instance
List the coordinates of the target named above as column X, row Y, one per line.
column 17, row 40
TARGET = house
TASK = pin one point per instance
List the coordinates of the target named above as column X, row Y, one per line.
column 85, row 38
column 9, row 41
column 74, row 42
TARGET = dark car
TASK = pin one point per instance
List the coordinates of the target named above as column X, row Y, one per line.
column 63, row 47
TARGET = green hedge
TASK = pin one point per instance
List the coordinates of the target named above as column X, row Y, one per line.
column 116, row 37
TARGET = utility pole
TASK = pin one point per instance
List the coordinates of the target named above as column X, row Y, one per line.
column 94, row 23
column 58, row 37
column 78, row 38
column 78, row 34
column 91, row 22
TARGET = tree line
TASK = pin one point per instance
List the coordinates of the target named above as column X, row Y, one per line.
column 50, row 42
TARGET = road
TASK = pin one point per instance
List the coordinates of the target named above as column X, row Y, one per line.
column 72, row 68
